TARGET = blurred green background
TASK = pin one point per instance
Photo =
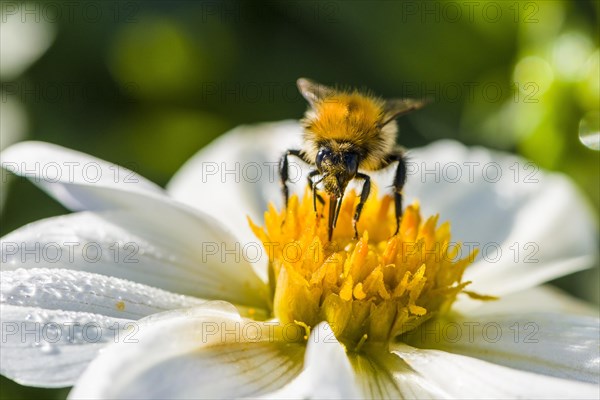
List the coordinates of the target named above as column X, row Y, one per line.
column 146, row 84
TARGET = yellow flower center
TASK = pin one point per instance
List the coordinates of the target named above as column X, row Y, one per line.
column 370, row 290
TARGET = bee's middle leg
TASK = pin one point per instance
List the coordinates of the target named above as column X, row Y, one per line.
column 366, row 189
column 399, row 181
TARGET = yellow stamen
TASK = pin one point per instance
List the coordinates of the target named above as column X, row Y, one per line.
column 377, row 287
column 306, row 329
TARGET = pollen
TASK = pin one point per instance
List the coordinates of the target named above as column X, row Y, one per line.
column 369, row 290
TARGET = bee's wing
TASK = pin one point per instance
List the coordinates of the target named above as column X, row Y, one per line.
column 313, row 91
column 396, row 107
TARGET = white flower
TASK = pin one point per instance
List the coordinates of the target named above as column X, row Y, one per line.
column 140, row 267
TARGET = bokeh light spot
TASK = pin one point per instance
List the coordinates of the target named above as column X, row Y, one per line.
column 533, row 70
column 570, row 52
column 157, row 57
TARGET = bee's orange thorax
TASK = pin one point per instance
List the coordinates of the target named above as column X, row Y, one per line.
column 347, row 116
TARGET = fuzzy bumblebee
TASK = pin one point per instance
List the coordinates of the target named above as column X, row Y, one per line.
column 344, row 132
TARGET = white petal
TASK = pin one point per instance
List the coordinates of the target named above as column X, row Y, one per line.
column 464, row 377
column 51, row 348
column 382, row 375
column 563, row 346
column 68, row 290
column 327, row 371
column 544, row 298
column 242, row 168
column 199, row 353
column 539, row 220
column 168, row 250
column 77, row 180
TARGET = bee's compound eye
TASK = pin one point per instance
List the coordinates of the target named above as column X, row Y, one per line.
column 322, row 155
column 351, row 163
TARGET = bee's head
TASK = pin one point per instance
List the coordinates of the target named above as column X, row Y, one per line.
column 337, row 169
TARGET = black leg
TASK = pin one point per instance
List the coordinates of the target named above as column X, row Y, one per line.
column 312, row 185
column 283, row 172
column 399, row 181
column 366, row 189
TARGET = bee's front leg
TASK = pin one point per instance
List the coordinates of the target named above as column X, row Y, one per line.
column 366, row 189
column 312, row 185
column 283, row 173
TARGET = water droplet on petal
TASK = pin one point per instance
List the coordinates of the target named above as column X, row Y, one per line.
column 48, row 349
column 589, row 130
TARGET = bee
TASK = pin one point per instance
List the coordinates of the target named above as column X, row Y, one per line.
column 346, row 132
